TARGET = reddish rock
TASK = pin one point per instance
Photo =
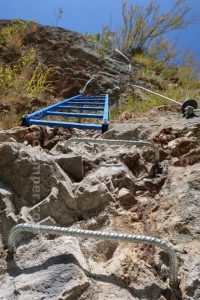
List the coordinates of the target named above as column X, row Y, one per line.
column 126, row 198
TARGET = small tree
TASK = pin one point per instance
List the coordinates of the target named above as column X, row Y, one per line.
column 190, row 65
column 59, row 11
column 141, row 26
column 163, row 50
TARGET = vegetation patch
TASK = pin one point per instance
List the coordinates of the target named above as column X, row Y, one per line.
column 25, row 78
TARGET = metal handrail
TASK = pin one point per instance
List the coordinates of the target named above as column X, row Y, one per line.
column 126, row 58
column 157, row 94
column 93, row 78
column 36, row 228
column 123, row 55
column 116, row 142
column 188, row 107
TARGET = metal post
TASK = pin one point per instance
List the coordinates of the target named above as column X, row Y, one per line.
column 35, row 228
column 91, row 80
column 105, row 115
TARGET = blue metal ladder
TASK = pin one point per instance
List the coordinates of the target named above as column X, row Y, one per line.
column 80, row 106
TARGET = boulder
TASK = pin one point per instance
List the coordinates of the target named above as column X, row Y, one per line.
column 56, row 272
column 126, row 198
column 92, row 194
column 29, row 172
column 115, row 176
column 181, row 146
column 71, row 164
column 85, row 53
column 191, row 158
column 124, row 132
column 60, row 205
column 16, row 133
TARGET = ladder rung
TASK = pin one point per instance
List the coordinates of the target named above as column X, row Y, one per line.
column 65, row 124
column 88, row 99
column 92, row 97
column 79, row 115
column 85, row 103
column 80, row 108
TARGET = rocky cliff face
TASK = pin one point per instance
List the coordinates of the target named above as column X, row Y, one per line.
column 96, row 187
column 71, row 60
column 108, row 188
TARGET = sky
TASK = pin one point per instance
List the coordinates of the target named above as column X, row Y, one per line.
column 91, row 15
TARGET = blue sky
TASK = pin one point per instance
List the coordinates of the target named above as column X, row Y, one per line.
column 90, row 15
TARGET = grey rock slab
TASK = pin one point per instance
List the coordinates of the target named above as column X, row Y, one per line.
column 85, row 53
column 178, row 217
column 106, row 291
column 57, row 205
column 29, row 172
column 126, row 131
column 46, row 270
column 190, row 273
column 16, row 133
column 182, row 191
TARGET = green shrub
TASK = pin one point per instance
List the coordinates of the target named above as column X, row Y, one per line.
column 7, row 78
column 10, row 74
column 16, row 27
column 38, row 83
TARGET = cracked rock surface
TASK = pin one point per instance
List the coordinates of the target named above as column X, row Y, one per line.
column 108, row 188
